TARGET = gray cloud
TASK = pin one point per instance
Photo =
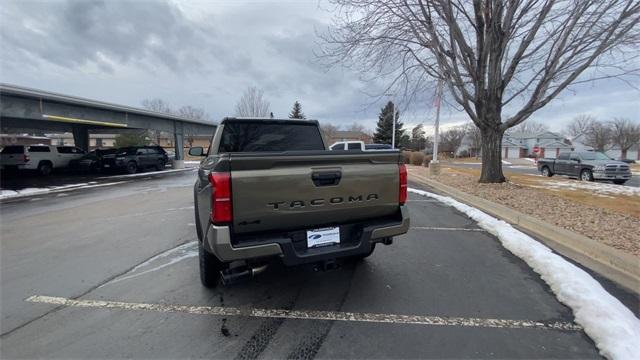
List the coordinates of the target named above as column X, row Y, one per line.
column 205, row 54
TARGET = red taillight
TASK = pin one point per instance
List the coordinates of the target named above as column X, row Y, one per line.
column 402, row 194
column 221, row 209
column 25, row 158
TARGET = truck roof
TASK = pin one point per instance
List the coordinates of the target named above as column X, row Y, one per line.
column 269, row 120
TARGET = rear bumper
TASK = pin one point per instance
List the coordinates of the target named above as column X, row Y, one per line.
column 218, row 241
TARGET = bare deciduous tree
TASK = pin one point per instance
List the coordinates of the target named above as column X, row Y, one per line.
column 328, row 132
column 475, row 139
column 598, row 136
column 625, row 134
column 579, row 125
column 194, row 113
column 490, row 53
column 157, row 105
column 357, row 128
column 529, row 126
column 451, row 139
column 253, row 104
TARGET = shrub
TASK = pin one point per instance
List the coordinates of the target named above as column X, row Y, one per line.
column 407, row 157
column 416, row 158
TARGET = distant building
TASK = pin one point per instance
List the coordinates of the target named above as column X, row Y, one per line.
column 519, row 145
column 344, row 135
column 23, row 139
column 96, row 141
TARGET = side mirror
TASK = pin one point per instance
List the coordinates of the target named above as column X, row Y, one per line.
column 196, row 151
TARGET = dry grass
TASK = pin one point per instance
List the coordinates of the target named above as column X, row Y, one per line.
column 628, row 205
column 614, row 222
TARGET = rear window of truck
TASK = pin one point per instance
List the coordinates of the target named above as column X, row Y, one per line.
column 266, row 137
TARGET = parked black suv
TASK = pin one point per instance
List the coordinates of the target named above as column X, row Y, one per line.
column 134, row 158
column 91, row 161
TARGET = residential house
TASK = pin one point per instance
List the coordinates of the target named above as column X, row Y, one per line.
column 522, row 144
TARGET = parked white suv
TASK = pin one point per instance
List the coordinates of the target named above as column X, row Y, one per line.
column 43, row 158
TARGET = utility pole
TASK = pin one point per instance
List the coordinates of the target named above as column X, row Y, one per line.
column 434, row 166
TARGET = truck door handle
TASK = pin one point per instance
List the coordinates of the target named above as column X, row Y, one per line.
column 327, row 178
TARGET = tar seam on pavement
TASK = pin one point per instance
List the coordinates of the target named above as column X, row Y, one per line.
column 436, row 228
column 309, row 314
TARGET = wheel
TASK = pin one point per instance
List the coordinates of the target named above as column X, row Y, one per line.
column 546, row 172
column 44, row 168
column 586, row 175
column 210, row 267
column 365, row 255
column 131, row 167
column 160, row 165
column 619, row 182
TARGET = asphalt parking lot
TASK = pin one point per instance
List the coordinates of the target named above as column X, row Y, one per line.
column 126, row 255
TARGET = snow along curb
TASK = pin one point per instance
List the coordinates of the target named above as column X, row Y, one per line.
column 611, row 263
column 613, row 327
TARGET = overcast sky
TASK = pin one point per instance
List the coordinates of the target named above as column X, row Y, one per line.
column 205, row 54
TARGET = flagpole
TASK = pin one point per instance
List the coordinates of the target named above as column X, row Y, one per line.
column 434, row 168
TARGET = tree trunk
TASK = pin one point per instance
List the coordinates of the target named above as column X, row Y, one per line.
column 623, row 154
column 491, row 156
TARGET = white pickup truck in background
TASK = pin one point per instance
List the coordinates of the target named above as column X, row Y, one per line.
column 43, row 158
column 358, row 145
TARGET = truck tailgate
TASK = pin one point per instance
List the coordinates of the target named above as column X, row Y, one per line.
column 290, row 191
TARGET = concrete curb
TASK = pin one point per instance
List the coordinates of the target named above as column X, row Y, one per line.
column 611, row 263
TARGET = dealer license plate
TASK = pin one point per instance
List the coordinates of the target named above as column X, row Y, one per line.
column 324, row 236
column 107, row 165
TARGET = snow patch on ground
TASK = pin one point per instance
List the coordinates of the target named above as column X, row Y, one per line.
column 529, row 159
column 160, row 261
column 613, row 327
column 146, row 173
column 600, row 189
column 7, row 194
column 190, row 162
column 506, row 162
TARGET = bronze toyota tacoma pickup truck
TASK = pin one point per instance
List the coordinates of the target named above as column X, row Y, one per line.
column 269, row 188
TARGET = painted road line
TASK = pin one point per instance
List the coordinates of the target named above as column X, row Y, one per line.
column 308, row 315
column 436, row 228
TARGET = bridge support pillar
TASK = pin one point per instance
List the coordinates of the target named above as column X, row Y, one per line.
column 178, row 162
column 81, row 137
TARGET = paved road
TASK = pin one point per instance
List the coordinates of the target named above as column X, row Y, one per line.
column 525, row 169
column 134, row 244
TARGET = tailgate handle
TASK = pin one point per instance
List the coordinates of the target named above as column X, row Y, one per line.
column 327, row 178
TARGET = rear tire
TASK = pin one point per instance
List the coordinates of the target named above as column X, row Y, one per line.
column 546, row 172
column 586, row 175
column 131, row 168
column 160, row 166
column 45, row 168
column 210, row 267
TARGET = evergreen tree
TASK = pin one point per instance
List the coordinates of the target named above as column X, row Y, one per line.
column 133, row 139
column 296, row 112
column 384, row 127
